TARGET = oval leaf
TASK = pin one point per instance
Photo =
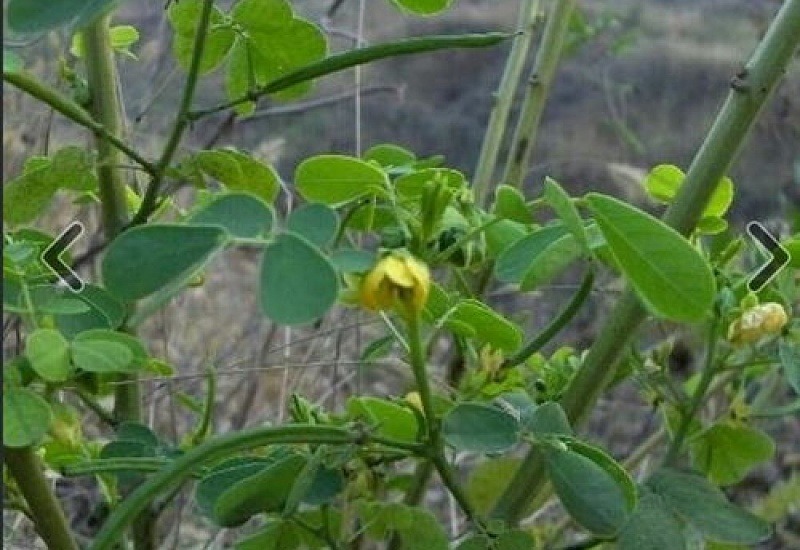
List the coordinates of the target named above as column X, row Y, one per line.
column 48, row 353
column 480, row 428
column 145, row 259
column 336, row 180
column 673, row 279
column 316, row 222
column 704, row 506
column 298, row 284
column 240, row 214
column 591, row 496
column 26, row 417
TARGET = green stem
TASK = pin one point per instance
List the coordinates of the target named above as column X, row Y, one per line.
column 555, row 326
column 689, row 413
column 101, row 73
column 729, row 130
column 25, row 466
column 434, row 443
column 150, row 199
column 64, row 105
column 176, row 472
column 496, row 128
column 416, row 351
column 106, row 107
column 544, row 68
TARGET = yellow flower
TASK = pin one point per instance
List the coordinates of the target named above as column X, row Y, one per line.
column 396, row 280
column 757, row 321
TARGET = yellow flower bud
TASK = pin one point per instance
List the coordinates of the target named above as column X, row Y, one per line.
column 755, row 322
column 396, row 280
column 413, row 399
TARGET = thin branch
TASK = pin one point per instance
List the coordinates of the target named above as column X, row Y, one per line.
column 74, row 112
column 149, row 201
column 305, row 106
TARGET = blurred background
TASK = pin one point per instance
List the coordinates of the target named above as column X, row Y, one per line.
column 640, row 85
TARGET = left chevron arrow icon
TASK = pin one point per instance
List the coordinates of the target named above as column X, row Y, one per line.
column 52, row 257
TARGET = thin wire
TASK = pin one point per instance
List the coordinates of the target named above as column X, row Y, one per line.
column 359, row 43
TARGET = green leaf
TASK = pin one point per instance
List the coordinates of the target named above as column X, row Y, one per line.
column 416, row 527
column 122, row 38
column 501, row 235
column 562, row 203
column 275, row 43
column 277, row 535
column 509, row 203
column 184, row 16
column 72, row 168
column 101, row 356
column 298, row 284
column 221, row 477
column 316, row 222
column 423, row 7
column 548, row 419
column 711, row 225
column 664, row 181
column 266, row 491
column 240, row 214
column 726, row 452
column 258, row 178
column 516, row 259
column 706, row 508
column 485, row 325
column 592, row 497
column 391, row 420
column 240, row 172
column 789, row 354
column 411, row 186
column 479, row 428
column 31, row 16
column 139, row 355
column 104, row 311
column 488, row 480
column 145, row 259
column 353, row 261
column 668, row 273
column 12, row 63
column 652, row 526
column 48, row 353
column 26, row 196
column 26, row 417
column 552, row 261
column 612, row 468
column 388, row 155
column 336, row 180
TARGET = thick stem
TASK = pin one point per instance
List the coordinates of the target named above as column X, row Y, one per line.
column 25, row 467
column 541, row 78
column 496, row 128
column 101, row 73
column 728, row 132
column 107, row 109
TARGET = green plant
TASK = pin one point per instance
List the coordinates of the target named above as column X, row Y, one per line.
column 412, row 241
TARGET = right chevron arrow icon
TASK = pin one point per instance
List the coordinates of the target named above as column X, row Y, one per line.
column 779, row 256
